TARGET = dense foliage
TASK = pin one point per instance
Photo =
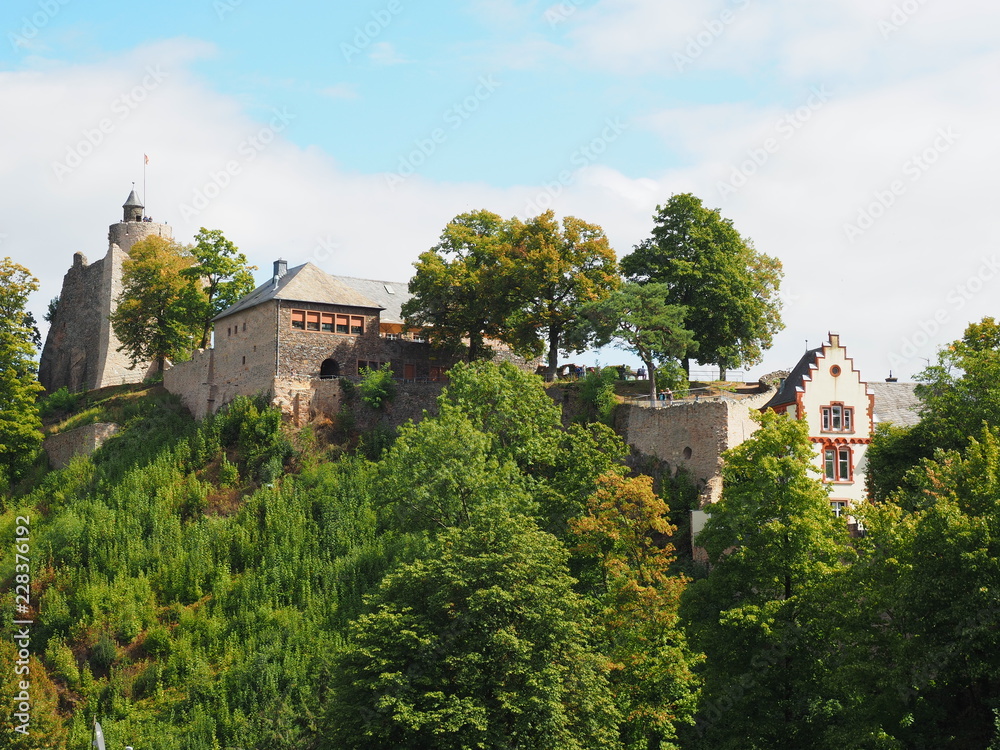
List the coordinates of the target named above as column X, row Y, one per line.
column 729, row 290
column 20, row 426
column 493, row 579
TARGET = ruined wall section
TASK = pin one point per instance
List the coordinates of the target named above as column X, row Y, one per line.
column 69, row 357
column 82, row 441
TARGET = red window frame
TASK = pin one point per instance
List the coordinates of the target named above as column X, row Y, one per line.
column 838, row 464
column 836, row 417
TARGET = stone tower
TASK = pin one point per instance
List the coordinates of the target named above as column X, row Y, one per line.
column 81, row 349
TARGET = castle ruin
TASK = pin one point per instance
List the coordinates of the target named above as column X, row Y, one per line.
column 81, row 349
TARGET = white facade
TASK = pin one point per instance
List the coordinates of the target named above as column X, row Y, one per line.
column 826, row 390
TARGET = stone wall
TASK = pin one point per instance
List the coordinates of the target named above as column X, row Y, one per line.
column 191, row 381
column 69, row 355
column 691, row 435
column 82, row 441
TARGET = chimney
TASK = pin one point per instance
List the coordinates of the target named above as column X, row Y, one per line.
column 280, row 269
column 891, row 379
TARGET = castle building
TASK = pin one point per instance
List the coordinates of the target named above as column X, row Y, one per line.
column 826, row 390
column 81, row 349
column 292, row 336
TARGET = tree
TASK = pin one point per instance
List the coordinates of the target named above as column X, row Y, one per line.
column 483, row 643
column 20, row 425
column 461, row 289
column 727, row 288
column 771, row 540
column 637, row 601
column 158, row 310
column 640, row 317
column 223, row 274
column 556, row 270
column 959, row 394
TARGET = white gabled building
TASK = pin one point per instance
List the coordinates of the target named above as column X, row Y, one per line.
column 826, row 390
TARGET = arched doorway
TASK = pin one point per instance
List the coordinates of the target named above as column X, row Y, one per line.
column 329, row 369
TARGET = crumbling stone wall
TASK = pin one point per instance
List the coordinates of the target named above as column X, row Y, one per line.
column 82, row 441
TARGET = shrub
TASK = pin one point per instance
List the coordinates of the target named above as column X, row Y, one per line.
column 597, row 391
column 59, row 401
column 377, row 387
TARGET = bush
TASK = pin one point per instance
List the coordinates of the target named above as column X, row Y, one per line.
column 670, row 375
column 597, row 391
column 377, row 387
column 59, row 401
column 104, row 653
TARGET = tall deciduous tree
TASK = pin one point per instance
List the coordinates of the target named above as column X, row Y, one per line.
column 155, row 318
column 637, row 600
column 222, row 272
column 771, row 539
column 641, row 318
column 556, row 270
column 20, row 425
column 730, row 291
column 461, row 289
column 483, row 643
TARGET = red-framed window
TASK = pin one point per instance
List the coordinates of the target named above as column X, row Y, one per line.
column 837, row 418
column 308, row 320
column 838, row 464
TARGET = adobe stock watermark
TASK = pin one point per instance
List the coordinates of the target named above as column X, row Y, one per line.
column 366, row 34
column 928, row 328
column 785, row 128
column 914, row 169
column 33, row 24
column 899, row 17
column 325, row 249
column 121, row 107
column 561, row 12
column 454, row 117
column 224, row 7
column 582, row 157
column 711, row 30
column 249, row 149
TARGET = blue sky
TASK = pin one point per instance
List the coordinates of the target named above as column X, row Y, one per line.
column 854, row 139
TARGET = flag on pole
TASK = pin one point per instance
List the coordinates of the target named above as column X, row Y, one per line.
column 98, row 736
column 146, row 158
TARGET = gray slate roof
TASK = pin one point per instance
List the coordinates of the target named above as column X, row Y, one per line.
column 379, row 291
column 896, row 403
column 794, row 382
column 305, row 283
column 132, row 201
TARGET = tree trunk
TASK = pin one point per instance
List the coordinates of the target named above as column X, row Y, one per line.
column 651, row 372
column 722, row 372
column 687, row 367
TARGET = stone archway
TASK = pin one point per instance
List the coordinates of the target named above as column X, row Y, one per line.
column 329, row 369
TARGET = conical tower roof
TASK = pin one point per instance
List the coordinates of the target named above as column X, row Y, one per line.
column 132, row 201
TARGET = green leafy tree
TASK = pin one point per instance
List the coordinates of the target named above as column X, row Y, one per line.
column 223, row 275
column 928, row 639
column 460, row 288
column 771, row 540
column 483, row 643
column 637, row 600
column 556, row 269
column 156, row 315
column 642, row 320
column 960, row 393
column 729, row 290
column 20, row 425
column 377, row 386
